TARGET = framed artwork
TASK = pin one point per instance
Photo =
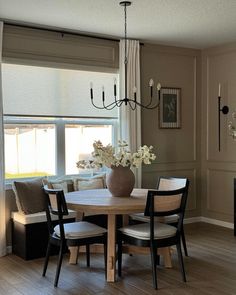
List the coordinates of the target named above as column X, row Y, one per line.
column 170, row 108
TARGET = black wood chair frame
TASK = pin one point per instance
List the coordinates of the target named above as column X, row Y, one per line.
column 154, row 244
column 176, row 223
column 60, row 211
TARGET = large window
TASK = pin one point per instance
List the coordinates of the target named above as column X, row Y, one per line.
column 29, row 150
column 50, row 123
column 51, row 146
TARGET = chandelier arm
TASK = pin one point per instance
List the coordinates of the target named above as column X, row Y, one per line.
column 108, row 107
column 117, row 101
column 133, row 107
column 111, row 106
column 120, row 102
column 148, row 105
column 150, row 102
column 97, row 107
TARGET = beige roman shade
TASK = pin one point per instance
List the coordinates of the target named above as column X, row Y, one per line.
column 68, row 50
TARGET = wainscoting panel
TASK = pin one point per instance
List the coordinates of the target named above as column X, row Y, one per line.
column 220, row 191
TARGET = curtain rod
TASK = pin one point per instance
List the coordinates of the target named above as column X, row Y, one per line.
column 61, row 31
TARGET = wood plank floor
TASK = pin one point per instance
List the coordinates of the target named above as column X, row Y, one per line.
column 210, row 269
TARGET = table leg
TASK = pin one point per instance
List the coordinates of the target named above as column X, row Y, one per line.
column 74, row 252
column 111, row 248
column 166, row 253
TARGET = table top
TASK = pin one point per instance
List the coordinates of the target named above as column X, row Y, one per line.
column 101, row 201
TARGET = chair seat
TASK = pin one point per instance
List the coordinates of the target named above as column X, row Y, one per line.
column 80, row 230
column 142, row 231
column 164, row 219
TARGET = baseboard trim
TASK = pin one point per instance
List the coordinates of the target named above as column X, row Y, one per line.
column 209, row 220
column 192, row 220
column 9, row 249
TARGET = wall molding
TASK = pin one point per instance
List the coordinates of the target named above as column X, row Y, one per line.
column 209, row 220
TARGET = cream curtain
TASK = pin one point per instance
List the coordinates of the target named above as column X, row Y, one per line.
column 130, row 120
column 2, row 188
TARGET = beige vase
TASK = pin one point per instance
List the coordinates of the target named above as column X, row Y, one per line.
column 120, row 181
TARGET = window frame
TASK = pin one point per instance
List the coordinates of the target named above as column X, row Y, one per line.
column 60, row 123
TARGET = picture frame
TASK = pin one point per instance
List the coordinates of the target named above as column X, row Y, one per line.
column 170, row 108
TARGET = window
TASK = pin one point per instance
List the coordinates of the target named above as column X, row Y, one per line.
column 79, row 142
column 49, row 121
column 29, row 150
column 51, row 146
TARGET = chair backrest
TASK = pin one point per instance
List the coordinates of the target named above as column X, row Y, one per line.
column 171, row 183
column 166, row 202
column 56, row 205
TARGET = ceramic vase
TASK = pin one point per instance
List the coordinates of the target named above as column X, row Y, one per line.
column 120, row 181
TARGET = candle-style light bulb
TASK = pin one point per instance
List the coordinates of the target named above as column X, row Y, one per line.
column 158, row 86
column 91, row 85
column 219, row 90
column 151, row 82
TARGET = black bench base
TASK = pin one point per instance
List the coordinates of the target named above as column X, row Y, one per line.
column 29, row 241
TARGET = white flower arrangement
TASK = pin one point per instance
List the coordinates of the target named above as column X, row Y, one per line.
column 83, row 164
column 106, row 155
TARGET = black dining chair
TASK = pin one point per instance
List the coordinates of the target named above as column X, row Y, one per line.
column 165, row 184
column 68, row 234
column 154, row 234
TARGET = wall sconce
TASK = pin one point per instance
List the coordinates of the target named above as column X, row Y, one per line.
column 224, row 110
column 231, row 127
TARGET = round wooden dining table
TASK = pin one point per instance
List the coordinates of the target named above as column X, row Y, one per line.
column 100, row 201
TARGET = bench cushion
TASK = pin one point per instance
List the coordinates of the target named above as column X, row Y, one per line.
column 37, row 217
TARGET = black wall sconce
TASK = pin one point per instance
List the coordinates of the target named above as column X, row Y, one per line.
column 224, row 110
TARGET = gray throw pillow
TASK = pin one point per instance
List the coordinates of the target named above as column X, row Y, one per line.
column 30, row 197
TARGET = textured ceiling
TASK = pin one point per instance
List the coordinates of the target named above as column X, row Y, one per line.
column 187, row 23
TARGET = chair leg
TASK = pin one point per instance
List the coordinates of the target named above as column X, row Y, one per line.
column 157, row 259
column 119, row 254
column 59, row 265
column 88, row 255
column 181, row 262
column 46, row 259
column 184, row 242
column 154, row 268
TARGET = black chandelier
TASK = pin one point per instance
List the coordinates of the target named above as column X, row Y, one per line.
column 133, row 102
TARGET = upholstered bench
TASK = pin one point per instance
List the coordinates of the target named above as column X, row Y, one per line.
column 30, row 234
column 29, row 226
